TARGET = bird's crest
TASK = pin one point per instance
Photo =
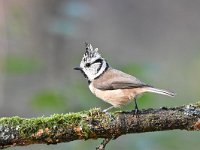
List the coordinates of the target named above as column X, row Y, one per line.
column 90, row 52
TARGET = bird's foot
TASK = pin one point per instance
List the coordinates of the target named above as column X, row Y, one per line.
column 136, row 112
column 108, row 113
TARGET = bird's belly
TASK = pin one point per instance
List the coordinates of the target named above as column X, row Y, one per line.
column 116, row 97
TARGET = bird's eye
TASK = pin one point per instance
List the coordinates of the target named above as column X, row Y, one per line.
column 87, row 64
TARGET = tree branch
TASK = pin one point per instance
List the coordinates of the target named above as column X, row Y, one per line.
column 95, row 124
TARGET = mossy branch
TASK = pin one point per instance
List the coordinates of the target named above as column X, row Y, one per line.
column 95, row 124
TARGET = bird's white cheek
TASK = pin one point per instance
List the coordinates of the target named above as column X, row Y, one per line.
column 91, row 77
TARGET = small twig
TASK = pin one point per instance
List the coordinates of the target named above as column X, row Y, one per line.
column 103, row 144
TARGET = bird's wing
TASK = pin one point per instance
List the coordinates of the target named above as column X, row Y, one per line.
column 114, row 79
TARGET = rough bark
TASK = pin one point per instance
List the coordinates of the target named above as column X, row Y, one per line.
column 93, row 124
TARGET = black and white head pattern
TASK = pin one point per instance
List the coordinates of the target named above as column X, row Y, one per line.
column 92, row 64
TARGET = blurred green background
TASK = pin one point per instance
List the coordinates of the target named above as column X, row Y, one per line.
column 42, row 40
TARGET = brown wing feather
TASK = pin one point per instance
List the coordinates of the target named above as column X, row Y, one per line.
column 114, row 79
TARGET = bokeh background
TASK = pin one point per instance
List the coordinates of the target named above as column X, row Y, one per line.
column 42, row 40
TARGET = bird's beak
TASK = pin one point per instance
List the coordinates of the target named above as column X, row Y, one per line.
column 78, row 68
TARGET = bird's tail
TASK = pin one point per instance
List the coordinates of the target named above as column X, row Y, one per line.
column 160, row 91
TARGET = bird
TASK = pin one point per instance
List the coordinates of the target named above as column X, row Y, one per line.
column 111, row 85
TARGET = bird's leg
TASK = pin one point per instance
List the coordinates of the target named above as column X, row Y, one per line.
column 136, row 110
column 136, row 106
column 109, row 108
